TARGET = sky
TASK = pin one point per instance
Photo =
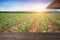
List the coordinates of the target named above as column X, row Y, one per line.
column 24, row 5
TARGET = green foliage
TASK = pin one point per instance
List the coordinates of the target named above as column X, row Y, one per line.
column 44, row 24
column 18, row 30
column 55, row 17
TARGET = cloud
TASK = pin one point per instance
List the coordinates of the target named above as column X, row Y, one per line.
column 23, row 6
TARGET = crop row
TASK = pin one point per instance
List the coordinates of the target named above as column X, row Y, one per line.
column 9, row 20
column 55, row 18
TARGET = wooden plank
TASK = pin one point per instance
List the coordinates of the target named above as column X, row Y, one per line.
column 29, row 36
column 54, row 5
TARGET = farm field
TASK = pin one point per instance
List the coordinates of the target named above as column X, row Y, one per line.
column 30, row 22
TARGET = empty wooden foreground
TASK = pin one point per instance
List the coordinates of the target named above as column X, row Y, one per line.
column 29, row 36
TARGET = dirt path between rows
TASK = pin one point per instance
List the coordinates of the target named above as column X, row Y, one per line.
column 52, row 25
column 36, row 27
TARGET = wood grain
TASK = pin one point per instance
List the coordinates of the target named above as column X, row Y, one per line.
column 29, row 36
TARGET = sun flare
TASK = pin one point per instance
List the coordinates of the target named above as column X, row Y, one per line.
column 40, row 13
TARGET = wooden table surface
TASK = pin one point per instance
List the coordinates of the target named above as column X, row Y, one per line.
column 29, row 36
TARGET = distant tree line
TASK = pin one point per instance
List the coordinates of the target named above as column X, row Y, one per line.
column 14, row 12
